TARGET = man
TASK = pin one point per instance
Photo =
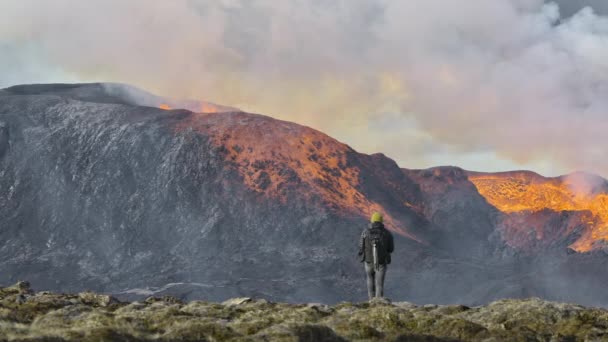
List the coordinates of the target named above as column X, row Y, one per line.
column 375, row 248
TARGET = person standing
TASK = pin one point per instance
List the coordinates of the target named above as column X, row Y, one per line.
column 375, row 248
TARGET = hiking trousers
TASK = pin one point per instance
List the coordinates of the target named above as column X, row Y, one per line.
column 375, row 280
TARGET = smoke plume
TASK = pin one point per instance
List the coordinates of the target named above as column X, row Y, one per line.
column 481, row 84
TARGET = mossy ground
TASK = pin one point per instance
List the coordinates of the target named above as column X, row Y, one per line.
column 43, row 316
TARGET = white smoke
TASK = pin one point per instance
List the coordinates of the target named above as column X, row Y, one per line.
column 486, row 84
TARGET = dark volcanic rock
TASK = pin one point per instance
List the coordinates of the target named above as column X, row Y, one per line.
column 99, row 192
column 4, row 138
column 107, row 195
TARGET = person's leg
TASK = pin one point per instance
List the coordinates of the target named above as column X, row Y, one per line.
column 380, row 280
column 369, row 272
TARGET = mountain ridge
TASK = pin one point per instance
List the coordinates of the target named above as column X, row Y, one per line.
column 118, row 196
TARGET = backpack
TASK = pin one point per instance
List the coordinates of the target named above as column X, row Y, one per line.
column 376, row 248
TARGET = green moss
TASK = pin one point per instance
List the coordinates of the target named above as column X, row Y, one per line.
column 28, row 311
column 581, row 324
column 251, row 324
column 456, row 328
column 355, row 329
column 8, row 291
column 65, row 317
column 104, row 334
column 313, row 332
column 422, row 338
column 198, row 331
column 452, row 309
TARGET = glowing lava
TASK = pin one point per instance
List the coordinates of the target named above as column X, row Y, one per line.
column 197, row 107
column 516, row 192
column 286, row 161
column 209, row 108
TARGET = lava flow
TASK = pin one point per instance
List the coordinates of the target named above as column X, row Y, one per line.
column 196, row 107
column 516, row 192
column 209, row 108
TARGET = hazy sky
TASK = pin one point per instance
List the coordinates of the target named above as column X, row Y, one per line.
column 482, row 84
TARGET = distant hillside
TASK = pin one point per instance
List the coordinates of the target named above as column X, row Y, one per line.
column 102, row 189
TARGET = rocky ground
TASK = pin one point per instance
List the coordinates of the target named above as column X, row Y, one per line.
column 26, row 315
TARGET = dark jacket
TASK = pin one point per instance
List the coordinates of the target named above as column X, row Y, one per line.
column 385, row 249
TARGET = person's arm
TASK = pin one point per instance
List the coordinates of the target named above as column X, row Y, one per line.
column 391, row 245
column 362, row 243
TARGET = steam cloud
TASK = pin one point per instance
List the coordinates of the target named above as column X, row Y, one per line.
column 481, row 84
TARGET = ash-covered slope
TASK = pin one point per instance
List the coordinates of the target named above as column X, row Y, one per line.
column 97, row 192
column 100, row 192
column 108, row 195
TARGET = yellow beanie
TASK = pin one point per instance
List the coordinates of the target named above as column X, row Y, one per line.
column 377, row 217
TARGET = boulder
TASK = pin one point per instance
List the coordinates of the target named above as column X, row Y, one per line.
column 380, row 301
column 24, row 287
column 95, row 299
column 237, row 301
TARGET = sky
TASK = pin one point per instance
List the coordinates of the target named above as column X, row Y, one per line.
column 487, row 85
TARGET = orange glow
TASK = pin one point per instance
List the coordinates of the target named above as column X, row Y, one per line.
column 208, row 108
column 517, row 192
column 278, row 158
column 164, row 106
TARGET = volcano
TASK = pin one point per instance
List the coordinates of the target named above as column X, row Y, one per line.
column 108, row 188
